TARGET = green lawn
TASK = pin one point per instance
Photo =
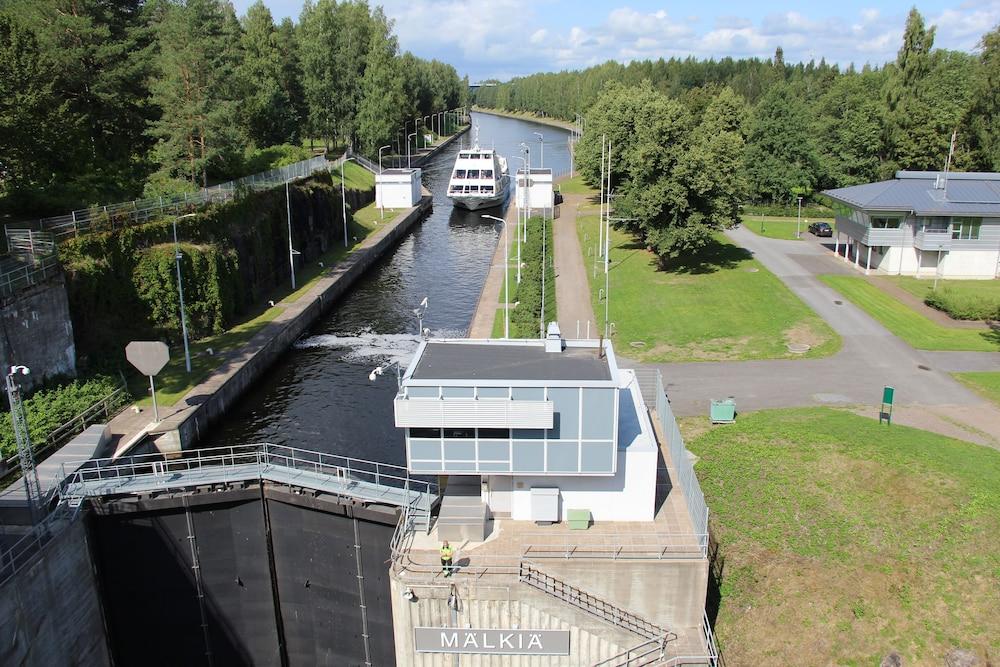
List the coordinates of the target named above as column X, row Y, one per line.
column 174, row 382
column 777, row 228
column 961, row 299
column 908, row 324
column 498, row 324
column 921, row 287
column 986, row 383
column 356, row 177
column 575, row 186
column 841, row 540
column 727, row 306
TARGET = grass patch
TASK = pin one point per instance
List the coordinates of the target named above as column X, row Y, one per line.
column 908, row 324
column 174, row 381
column 722, row 305
column 986, row 383
column 356, row 177
column 575, row 186
column 777, row 227
column 961, row 299
column 498, row 321
column 842, row 539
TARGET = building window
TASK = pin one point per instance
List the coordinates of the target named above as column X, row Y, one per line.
column 884, row 222
column 966, row 229
column 463, row 433
column 494, row 434
column 425, row 433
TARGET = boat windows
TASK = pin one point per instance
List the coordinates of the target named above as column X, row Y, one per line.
column 473, row 173
column 487, row 189
column 465, row 156
column 473, row 188
column 459, row 173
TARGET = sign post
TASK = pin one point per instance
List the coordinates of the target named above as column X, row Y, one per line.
column 149, row 358
column 885, row 413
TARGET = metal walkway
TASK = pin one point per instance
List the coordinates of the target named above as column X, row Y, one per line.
column 366, row 481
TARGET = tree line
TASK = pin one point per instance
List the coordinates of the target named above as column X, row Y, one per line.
column 692, row 140
column 104, row 100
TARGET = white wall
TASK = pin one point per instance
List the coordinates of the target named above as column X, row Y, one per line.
column 397, row 190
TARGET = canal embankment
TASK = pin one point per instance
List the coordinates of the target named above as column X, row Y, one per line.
column 521, row 115
column 206, row 403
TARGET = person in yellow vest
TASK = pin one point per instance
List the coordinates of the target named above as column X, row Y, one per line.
column 446, row 556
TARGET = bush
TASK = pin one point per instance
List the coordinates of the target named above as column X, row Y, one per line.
column 964, row 306
column 48, row 409
column 524, row 320
column 777, row 210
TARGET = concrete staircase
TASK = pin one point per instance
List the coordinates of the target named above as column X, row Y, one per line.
column 463, row 513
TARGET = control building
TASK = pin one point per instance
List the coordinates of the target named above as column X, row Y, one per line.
column 574, row 536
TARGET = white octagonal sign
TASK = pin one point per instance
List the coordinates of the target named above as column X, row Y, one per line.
column 149, row 356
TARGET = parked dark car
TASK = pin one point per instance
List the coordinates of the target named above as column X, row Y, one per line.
column 820, row 229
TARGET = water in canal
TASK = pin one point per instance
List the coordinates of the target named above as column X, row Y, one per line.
column 318, row 395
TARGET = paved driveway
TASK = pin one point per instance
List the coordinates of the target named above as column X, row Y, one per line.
column 871, row 356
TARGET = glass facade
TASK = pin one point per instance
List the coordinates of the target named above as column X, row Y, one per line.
column 581, row 440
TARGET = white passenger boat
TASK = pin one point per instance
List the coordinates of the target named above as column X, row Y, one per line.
column 479, row 179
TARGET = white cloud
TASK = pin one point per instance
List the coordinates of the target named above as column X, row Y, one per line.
column 504, row 36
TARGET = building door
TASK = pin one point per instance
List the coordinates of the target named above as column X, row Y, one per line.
column 500, row 490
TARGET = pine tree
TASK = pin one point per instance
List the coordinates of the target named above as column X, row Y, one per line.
column 381, row 90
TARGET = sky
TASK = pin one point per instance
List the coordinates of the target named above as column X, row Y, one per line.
column 506, row 38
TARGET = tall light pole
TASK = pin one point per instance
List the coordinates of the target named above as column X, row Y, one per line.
column 521, row 207
column 541, row 148
column 527, row 187
column 343, row 196
column 424, row 120
column 180, row 291
column 414, row 135
column 506, row 277
column 798, row 221
column 26, row 458
column 291, row 249
column 381, row 199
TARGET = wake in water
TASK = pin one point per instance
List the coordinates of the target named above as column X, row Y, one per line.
column 367, row 345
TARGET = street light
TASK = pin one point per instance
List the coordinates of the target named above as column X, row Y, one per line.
column 521, row 206
column 26, row 458
column 541, row 144
column 380, row 370
column 424, row 121
column 343, row 195
column 506, row 277
column 414, row 135
column 798, row 221
column 292, row 252
column 381, row 201
column 180, row 292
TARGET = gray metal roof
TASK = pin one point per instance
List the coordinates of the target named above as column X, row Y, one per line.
column 496, row 361
column 966, row 194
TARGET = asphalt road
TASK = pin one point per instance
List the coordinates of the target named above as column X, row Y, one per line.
column 870, row 358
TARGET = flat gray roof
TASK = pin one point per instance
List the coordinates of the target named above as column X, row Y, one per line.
column 967, row 194
column 483, row 361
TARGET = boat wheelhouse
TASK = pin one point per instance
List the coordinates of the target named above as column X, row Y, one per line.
column 479, row 179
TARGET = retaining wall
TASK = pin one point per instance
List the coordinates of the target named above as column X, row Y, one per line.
column 37, row 332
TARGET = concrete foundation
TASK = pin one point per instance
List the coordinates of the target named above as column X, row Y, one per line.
column 38, row 333
column 50, row 613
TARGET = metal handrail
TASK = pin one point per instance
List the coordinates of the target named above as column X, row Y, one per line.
column 640, row 651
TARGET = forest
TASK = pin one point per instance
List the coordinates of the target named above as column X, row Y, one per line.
column 108, row 100
column 694, row 141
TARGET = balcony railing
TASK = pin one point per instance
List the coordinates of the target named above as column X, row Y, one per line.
column 933, row 239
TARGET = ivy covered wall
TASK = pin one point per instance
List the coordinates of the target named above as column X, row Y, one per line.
column 122, row 284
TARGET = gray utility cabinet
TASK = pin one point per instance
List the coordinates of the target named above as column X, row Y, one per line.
column 544, row 504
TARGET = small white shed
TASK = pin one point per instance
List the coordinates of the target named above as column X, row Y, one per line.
column 534, row 190
column 397, row 188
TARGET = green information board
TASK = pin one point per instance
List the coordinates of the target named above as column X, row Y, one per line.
column 887, row 395
column 885, row 413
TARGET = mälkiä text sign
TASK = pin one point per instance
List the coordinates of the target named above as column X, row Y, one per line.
column 495, row 642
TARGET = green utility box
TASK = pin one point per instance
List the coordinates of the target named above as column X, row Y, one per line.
column 723, row 412
column 578, row 519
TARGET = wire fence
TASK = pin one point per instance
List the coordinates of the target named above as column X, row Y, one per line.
column 137, row 211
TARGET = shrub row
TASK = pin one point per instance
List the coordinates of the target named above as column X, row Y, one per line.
column 524, row 320
column 964, row 306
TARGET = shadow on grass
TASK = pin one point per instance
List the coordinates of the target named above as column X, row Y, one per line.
column 993, row 335
column 713, row 257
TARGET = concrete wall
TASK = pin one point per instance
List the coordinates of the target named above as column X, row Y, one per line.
column 37, row 332
column 514, row 605
column 670, row 592
column 50, row 613
column 183, row 429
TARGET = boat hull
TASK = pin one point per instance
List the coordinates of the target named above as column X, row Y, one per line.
column 474, row 203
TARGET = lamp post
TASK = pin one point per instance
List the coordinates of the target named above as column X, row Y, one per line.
column 180, row 290
column 414, row 135
column 521, row 207
column 506, row 278
column 541, row 148
column 343, row 196
column 381, row 199
column 291, row 249
column 424, row 120
column 798, row 221
column 379, row 370
column 26, row 458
